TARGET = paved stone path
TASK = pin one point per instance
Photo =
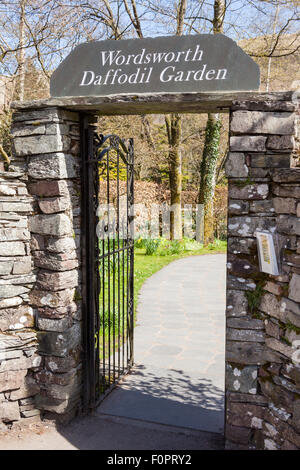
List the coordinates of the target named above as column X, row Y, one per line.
column 174, row 398
column 178, row 378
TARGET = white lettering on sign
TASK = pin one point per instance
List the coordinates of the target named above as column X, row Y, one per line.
column 193, row 63
column 117, row 75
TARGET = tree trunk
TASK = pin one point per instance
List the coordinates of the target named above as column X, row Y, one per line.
column 208, row 174
column 211, row 147
column 21, row 55
column 173, row 125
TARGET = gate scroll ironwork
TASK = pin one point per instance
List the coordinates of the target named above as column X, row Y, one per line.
column 108, row 260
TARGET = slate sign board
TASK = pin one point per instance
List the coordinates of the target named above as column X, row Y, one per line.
column 171, row 64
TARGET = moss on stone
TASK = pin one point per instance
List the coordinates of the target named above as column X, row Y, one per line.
column 289, row 326
column 77, row 297
column 245, row 182
column 254, row 298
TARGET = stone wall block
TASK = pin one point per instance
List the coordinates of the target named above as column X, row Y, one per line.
column 286, row 176
column 294, row 288
column 23, row 266
column 9, row 411
column 281, row 142
column 249, row 191
column 235, row 166
column 237, row 303
column 257, row 122
column 16, row 318
column 247, row 353
column 54, row 165
column 239, row 283
column 60, row 365
column 286, row 190
column 40, row 298
column 21, row 130
column 270, row 161
column 57, row 313
column 17, row 248
column 53, row 205
column 234, row 334
column 52, row 224
column 49, row 188
column 245, row 323
column 281, row 398
column 238, row 245
column 238, row 434
column 61, row 245
column 29, row 389
column 58, row 280
column 10, row 380
column 245, row 415
column 241, row 379
column 238, row 207
column 284, row 205
column 262, row 206
column 12, row 234
column 288, row 224
column 58, row 344
column 272, row 306
column 40, row 144
column 58, row 406
column 248, row 143
column 247, row 226
column 61, row 325
column 56, row 261
column 240, row 266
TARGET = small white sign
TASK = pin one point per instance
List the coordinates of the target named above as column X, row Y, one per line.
column 267, row 253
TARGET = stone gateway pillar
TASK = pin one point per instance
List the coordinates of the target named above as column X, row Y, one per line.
column 263, row 311
column 42, row 356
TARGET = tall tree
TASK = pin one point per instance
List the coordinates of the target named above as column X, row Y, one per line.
column 21, row 53
column 211, row 146
column 173, row 126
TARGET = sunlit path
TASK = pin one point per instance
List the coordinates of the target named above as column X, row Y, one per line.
column 178, row 377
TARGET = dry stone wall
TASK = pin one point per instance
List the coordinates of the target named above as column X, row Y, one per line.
column 19, row 358
column 263, row 311
column 40, row 314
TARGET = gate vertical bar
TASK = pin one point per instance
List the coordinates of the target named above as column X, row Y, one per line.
column 87, row 250
column 131, row 248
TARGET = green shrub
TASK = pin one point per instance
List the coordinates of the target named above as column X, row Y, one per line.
column 151, row 246
column 140, row 243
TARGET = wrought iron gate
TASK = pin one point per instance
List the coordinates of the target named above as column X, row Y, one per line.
column 108, row 260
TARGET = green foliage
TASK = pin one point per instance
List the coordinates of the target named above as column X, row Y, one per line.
column 140, row 243
column 291, row 327
column 111, row 261
column 209, row 159
column 245, row 182
column 286, row 341
column 254, row 298
column 151, row 246
column 163, row 247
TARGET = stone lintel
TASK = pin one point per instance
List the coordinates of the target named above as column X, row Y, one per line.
column 160, row 102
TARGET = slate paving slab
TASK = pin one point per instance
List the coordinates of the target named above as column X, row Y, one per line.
column 179, row 373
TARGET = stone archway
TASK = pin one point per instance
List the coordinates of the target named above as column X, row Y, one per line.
column 41, row 367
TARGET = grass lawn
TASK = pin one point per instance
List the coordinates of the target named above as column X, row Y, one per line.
column 146, row 265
